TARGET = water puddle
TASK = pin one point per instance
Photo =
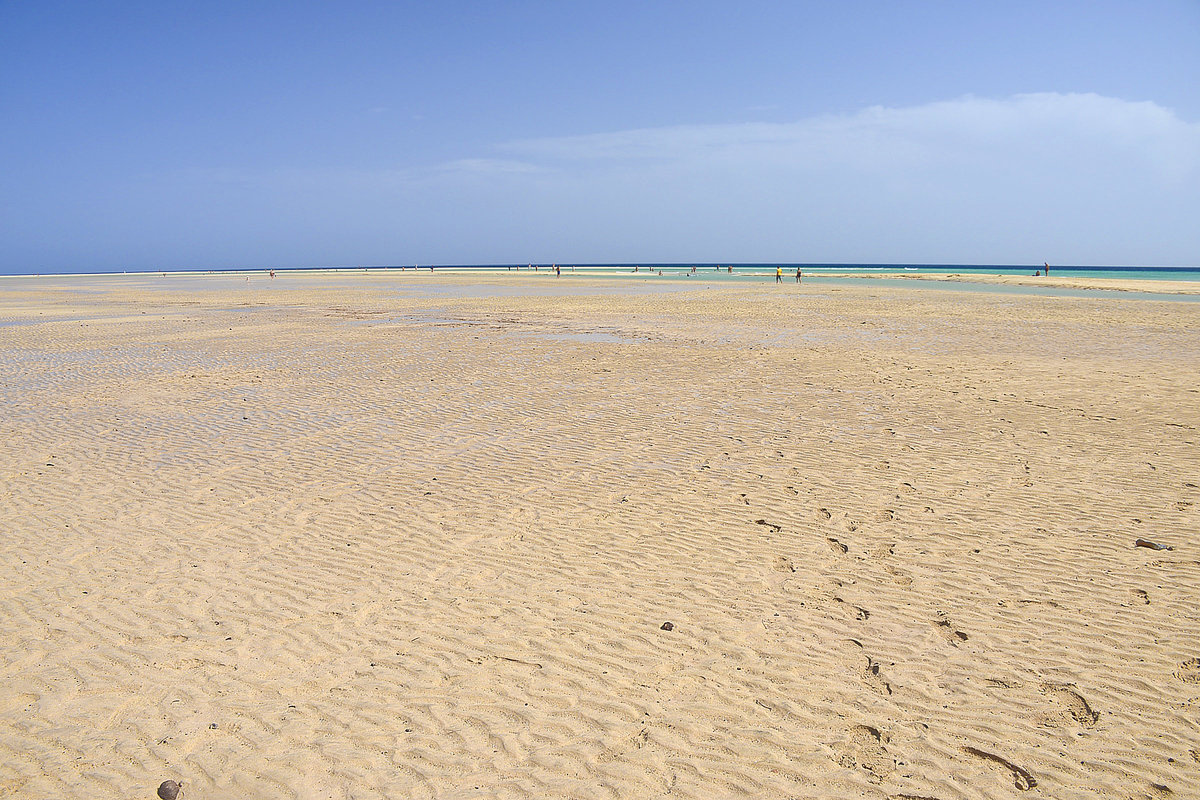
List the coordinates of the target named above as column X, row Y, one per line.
column 590, row 337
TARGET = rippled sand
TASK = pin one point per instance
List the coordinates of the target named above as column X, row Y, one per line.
column 409, row 535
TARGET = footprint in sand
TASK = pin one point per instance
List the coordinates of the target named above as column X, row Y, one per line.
column 836, row 546
column 885, row 550
column 860, row 613
column 1141, row 595
column 1021, row 777
column 1070, row 706
column 865, row 750
column 947, row 631
column 621, row 749
column 1189, row 671
column 783, row 564
column 873, row 678
column 899, row 576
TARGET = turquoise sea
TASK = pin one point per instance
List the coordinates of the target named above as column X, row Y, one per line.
column 882, row 275
column 668, row 277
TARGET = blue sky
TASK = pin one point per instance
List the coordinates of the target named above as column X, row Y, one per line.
column 253, row 134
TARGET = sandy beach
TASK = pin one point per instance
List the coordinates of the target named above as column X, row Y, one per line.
column 1056, row 281
column 452, row 536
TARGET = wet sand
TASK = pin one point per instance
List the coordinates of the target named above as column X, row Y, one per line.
column 1053, row 281
column 398, row 535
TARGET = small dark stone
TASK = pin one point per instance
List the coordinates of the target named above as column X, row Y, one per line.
column 168, row 790
column 1152, row 545
column 666, row 626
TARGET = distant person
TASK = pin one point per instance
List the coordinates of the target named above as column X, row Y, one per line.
column 779, row 274
column 729, row 268
column 799, row 275
column 557, row 272
column 1047, row 269
column 272, row 273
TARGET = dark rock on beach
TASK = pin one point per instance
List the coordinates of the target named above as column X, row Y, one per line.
column 1152, row 545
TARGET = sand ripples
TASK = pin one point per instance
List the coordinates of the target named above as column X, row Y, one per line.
column 358, row 545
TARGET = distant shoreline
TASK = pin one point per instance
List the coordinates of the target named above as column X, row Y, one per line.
column 1130, row 282
column 823, row 269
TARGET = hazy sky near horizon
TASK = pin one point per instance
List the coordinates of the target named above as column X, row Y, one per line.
column 219, row 135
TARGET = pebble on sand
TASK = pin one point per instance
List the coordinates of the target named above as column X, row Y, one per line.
column 666, row 626
column 1152, row 545
column 170, row 790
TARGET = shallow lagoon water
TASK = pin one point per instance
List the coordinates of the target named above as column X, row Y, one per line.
column 673, row 283
column 617, row 281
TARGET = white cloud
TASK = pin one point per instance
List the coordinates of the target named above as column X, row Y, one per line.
column 1072, row 177
column 1064, row 178
column 879, row 136
column 487, row 166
